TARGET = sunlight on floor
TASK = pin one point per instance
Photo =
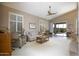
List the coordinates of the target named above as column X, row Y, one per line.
column 61, row 34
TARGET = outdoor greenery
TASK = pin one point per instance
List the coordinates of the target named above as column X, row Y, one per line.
column 60, row 30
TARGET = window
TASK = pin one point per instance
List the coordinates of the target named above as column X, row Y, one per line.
column 15, row 22
column 61, row 26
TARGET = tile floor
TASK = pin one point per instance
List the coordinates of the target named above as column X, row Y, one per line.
column 56, row 46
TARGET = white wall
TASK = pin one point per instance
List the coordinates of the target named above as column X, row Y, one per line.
column 78, row 28
column 78, row 20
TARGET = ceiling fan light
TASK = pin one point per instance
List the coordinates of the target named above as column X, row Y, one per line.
column 49, row 6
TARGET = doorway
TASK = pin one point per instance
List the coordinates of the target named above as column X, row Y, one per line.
column 60, row 29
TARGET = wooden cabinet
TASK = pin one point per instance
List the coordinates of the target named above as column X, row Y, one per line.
column 5, row 44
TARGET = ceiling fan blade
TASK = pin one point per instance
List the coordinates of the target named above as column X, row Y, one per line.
column 50, row 13
column 54, row 13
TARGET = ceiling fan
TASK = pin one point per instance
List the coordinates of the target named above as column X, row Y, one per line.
column 50, row 12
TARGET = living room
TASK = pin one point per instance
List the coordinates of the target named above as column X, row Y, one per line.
column 28, row 28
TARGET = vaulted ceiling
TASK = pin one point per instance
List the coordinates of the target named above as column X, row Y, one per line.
column 40, row 9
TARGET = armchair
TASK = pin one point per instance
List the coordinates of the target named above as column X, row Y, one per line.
column 18, row 40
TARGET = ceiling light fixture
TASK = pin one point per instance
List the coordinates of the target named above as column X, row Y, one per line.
column 50, row 12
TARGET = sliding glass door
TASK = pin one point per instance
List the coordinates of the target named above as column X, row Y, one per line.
column 60, row 29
